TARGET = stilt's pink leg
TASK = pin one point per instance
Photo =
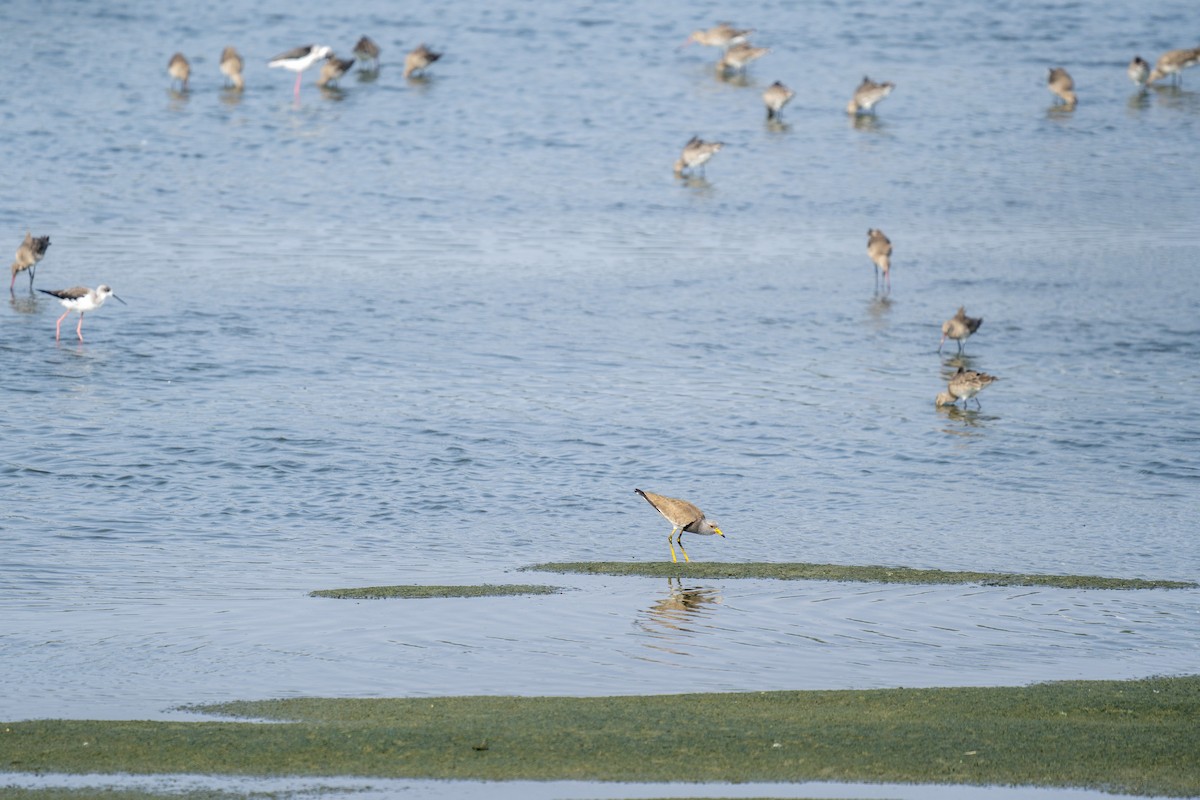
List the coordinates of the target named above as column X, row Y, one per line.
column 79, row 327
column 58, row 326
column 299, row 75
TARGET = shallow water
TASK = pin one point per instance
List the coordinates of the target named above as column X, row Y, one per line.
column 431, row 332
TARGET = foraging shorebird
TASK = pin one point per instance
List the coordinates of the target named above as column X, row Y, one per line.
column 366, row 50
column 180, row 70
column 420, row 58
column 722, row 35
column 776, row 97
column 738, row 56
column 696, row 153
column 879, row 248
column 299, row 59
column 81, row 299
column 231, row 67
column 31, row 251
column 965, row 384
column 959, row 327
column 867, row 95
column 1138, row 70
column 1060, row 82
column 684, row 517
column 332, row 69
column 1173, row 63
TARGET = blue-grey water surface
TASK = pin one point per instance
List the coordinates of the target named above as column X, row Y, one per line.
column 435, row 331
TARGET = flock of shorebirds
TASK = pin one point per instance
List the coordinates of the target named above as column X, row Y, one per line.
column 300, row 59
column 737, row 53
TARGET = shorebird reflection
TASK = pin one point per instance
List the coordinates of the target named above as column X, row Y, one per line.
column 680, row 606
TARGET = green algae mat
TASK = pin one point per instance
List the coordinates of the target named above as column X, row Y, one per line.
column 416, row 592
column 795, row 571
column 1138, row 736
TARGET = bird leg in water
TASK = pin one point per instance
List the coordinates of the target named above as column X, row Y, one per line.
column 679, row 541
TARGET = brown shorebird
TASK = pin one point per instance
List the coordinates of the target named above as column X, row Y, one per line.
column 723, row 35
column 879, row 248
column 737, row 57
column 420, row 58
column 180, row 70
column 1060, row 82
column 31, row 251
column 684, row 517
column 776, row 97
column 867, row 95
column 964, row 385
column 333, row 69
column 81, row 299
column 696, row 153
column 231, row 67
column 959, row 327
column 1138, row 70
column 366, row 50
column 1173, row 63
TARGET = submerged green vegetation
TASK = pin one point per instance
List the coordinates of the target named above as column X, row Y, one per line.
column 1138, row 736
column 421, row 592
column 795, row 571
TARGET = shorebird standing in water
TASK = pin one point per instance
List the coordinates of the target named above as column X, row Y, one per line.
column 696, row 153
column 867, row 95
column 180, row 70
column 1060, row 82
column 684, row 517
column 879, row 248
column 333, row 69
column 722, row 35
column 1173, row 63
column 738, row 56
column 31, row 251
column 366, row 50
column 299, row 59
column 776, row 97
column 965, row 384
column 1138, row 70
column 231, row 67
column 420, row 58
column 81, row 299
column 959, row 327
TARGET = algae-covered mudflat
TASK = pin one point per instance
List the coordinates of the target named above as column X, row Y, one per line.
column 418, row 592
column 792, row 571
column 1140, row 736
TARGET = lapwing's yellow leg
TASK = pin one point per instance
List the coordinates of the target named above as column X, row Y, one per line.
column 674, row 560
column 679, row 541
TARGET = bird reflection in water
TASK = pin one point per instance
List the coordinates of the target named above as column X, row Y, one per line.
column 671, row 614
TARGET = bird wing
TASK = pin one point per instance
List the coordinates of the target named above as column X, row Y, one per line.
column 74, row 293
column 297, row 52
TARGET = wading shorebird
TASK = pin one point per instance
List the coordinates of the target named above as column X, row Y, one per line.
column 696, row 153
column 722, row 35
column 333, row 69
column 684, row 517
column 965, row 384
column 879, row 248
column 1060, row 82
column 867, row 95
column 31, row 251
column 366, row 50
column 776, row 97
column 180, row 70
column 1138, row 70
column 299, row 59
column 1173, row 63
column 420, row 58
column 81, row 299
column 737, row 57
column 959, row 327
column 231, row 68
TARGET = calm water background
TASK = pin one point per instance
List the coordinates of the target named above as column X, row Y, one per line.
column 432, row 332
